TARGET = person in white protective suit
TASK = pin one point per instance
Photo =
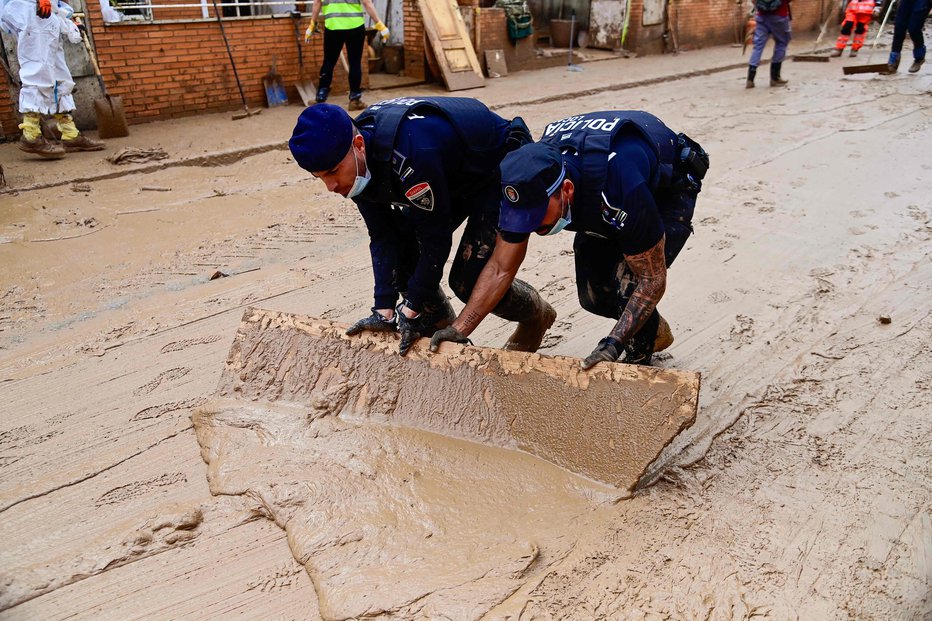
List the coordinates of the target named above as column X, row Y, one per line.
column 39, row 26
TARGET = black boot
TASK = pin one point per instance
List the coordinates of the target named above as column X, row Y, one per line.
column 437, row 313
column 775, row 79
column 523, row 304
column 752, row 71
column 640, row 348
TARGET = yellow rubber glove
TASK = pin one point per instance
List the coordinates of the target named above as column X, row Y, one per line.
column 309, row 33
column 383, row 31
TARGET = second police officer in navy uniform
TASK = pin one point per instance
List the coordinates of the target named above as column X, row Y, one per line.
column 417, row 168
column 626, row 185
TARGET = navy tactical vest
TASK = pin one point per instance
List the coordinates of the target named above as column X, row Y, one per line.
column 471, row 119
column 591, row 135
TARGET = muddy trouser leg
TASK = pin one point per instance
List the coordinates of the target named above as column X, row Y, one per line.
column 521, row 303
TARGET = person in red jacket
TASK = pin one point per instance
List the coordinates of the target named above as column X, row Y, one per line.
column 858, row 16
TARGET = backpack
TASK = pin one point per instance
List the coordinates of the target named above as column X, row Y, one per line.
column 767, row 6
column 518, row 17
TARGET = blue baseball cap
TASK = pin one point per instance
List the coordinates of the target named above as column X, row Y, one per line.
column 530, row 176
column 322, row 137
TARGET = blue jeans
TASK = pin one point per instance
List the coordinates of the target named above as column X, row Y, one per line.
column 910, row 17
column 776, row 26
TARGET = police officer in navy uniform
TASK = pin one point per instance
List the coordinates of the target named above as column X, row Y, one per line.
column 627, row 186
column 417, row 168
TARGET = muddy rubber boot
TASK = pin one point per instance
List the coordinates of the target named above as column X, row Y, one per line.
column 438, row 313
column 752, row 71
column 664, row 336
column 82, row 143
column 42, row 147
column 356, row 102
column 322, row 94
column 775, row 79
column 914, row 68
column 534, row 316
column 640, row 348
column 837, row 52
column 853, row 53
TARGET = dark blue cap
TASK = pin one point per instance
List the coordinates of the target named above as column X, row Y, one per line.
column 322, row 137
column 530, row 176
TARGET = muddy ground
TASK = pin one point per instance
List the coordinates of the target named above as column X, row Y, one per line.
column 803, row 491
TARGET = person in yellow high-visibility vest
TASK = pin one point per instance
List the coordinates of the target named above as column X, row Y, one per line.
column 344, row 24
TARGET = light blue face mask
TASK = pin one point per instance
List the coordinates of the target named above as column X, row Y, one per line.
column 360, row 184
column 563, row 221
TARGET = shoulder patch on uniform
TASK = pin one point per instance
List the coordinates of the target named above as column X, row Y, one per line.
column 511, row 193
column 421, row 196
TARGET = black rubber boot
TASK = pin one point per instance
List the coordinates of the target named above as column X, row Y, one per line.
column 775, row 79
column 640, row 348
column 438, row 312
column 752, row 72
column 523, row 304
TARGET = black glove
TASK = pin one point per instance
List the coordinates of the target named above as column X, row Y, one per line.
column 447, row 334
column 608, row 350
column 373, row 323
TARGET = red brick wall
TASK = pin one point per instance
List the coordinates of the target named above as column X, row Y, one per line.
column 179, row 69
column 490, row 32
column 9, row 116
column 414, row 40
column 700, row 23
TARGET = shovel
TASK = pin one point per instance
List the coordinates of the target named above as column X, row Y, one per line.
column 306, row 89
column 275, row 94
column 869, row 68
column 246, row 112
column 111, row 121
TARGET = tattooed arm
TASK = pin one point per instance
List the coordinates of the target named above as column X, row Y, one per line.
column 650, row 270
column 492, row 285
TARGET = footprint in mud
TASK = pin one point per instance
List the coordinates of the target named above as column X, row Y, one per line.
column 742, row 333
column 186, row 343
column 158, row 411
column 166, row 376
column 722, row 244
column 719, row 297
column 283, row 578
column 891, row 194
column 139, row 488
column 709, row 220
column 551, row 340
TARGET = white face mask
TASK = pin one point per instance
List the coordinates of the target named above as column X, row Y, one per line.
column 361, row 180
column 563, row 221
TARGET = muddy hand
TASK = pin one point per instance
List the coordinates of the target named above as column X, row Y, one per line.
column 607, row 350
column 450, row 334
column 373, row 323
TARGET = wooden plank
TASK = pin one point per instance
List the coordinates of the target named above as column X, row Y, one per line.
column 453, row 51
column 607, row 424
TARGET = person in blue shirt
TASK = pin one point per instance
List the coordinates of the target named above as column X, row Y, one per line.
column 417, row 168
column 626, row 185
